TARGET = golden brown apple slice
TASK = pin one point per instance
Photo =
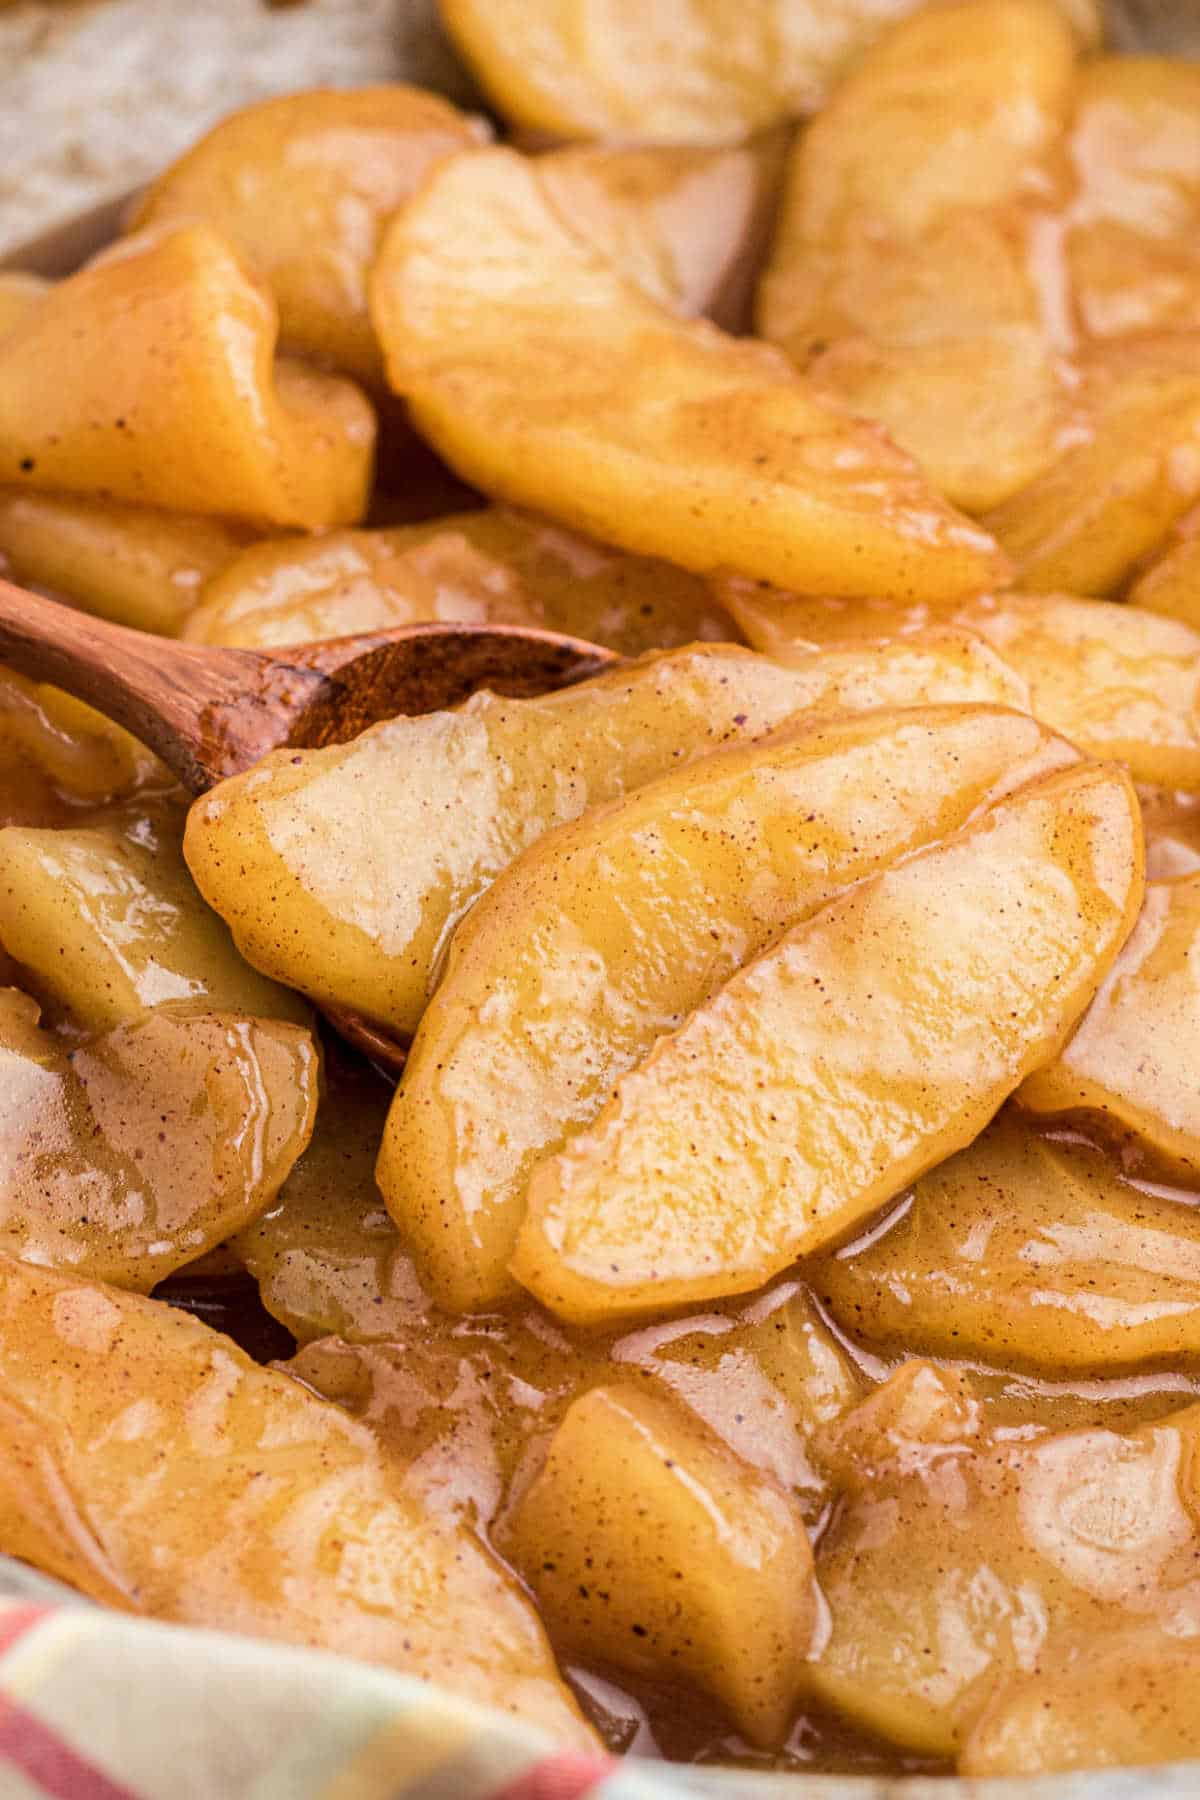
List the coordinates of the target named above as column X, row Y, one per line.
column 106, row 922
column 1130, row 470
column 868, row 1044
column 962, row 1555
column 56, row 755
column 129, row 1154
column 547, row 378
column 908, row 272
column 303, row 185
column 1117, row 681
column 342, row 872
column 492, row 566
column 1132, row 1062
column 1131, row 241
column 1132, row 1698
column 693, row 71
column 149, row 377
column 19, row 294
column 1171, row 584
column 1025, row 1252
column 608, row 932
column 186, row 1483
column 650, row 1545
column 132, row 564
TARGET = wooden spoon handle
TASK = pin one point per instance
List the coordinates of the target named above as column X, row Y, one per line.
column 207, row 712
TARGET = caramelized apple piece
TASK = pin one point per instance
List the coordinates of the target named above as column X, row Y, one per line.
column 1131, row 243
column 327, row 1258
column 1025, row 1252
column 1117, row 681
column 469, row 1405
column 1132, row 1061
column 343, row 871
column 224, row 1495
column 130, row 564
column 1131, row 1699
column 1171, row 824
column 697, row 71
column 961, row 1556
column 547, row 378
column 650, row 1545
column 148, row 377
column 106, row 922
column 19, row 295
column 689, row 224
column 56, row 753
column 609, row 931
column 1131, row 470
column 302, row 185
column 906, row 276
column 1171, row 584
column 135, row 1151
column 867, row 1045
column 492, row 566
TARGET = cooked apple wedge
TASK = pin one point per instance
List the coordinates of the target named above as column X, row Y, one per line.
column 906, row 275
column 609, row 931
column 1132, row 1062
column 1171, row 584
column 1025, row 1252
column 107, row 924
column 342, row 872
column 1131, row 1697
column 651, row 1545
column 1130, row 470
column 962, row 1555
column 129, row 1154
column 547, row 378
column 230, row 1497
column 871, row 1042
column 492, row 566
column 150, row 378
column 1119, row 682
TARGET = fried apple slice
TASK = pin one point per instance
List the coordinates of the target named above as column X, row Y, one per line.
column 1171, row 584
column 639, row 912
column 1132, row 1062
column 1171, row 824
column 689, row 224
column 868, row 1044
column 547, row 378
column 1132, row 469
column 343, row 871
column 490, row 566
column 961, row 1556
column 1117, row 681
column 694, row 71
column 906, row 275
column 56, row 754
column 1024, row 1252
column 649, row 1544
column 148, row 377
column 302, row 186
column 1131, row 242
column 131, row 564
column 327, row 1258
column 190, row 1484
column 127, row 1155
column 1131, row 1699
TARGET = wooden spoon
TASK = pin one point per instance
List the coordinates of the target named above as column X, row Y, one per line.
column 210, row 713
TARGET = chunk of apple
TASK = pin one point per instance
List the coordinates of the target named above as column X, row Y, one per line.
column 610, row 931
column 548, row 379
column 868, row 1044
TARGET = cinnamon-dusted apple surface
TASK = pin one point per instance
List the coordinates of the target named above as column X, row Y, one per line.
column 868, row 1044
column 226, row 1495
column 609, row 932
column 548, row 379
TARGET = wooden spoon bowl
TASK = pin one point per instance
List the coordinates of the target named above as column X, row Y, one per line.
column 211, row 713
